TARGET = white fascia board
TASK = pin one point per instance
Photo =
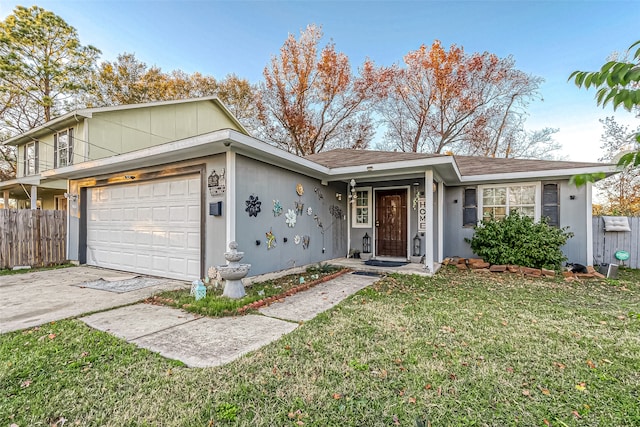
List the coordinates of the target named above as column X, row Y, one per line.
column 46, row 128
column 393, row 168
column 25, row 180
column 268, row 153
column 537, row 175
column 162, row 151
column 198, row 146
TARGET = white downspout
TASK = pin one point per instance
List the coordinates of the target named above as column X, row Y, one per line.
column 589, row 208
column 349, row 206
column 230, row 157
column 428, row 241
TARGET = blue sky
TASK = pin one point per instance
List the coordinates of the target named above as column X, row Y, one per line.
column 549, row 39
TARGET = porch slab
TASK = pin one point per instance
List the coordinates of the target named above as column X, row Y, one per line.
column 359, row 265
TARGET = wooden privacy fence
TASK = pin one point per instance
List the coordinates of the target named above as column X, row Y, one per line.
column 32, row 237
column 606, row 243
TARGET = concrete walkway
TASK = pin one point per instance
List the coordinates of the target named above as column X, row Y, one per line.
column 31, row 299
column 205, row 342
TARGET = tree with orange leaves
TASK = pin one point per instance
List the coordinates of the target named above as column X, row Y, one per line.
column 444, row 101
column 310, row 100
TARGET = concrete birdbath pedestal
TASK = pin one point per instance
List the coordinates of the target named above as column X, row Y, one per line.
column 233, row 272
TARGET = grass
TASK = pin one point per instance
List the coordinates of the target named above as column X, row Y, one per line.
column 8, row 272
column 459, row 349
column 215, row 305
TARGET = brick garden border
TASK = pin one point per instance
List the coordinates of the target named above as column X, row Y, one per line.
column 479, row 265
column 307, row 285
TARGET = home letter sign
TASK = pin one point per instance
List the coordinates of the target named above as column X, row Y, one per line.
column 422, row 215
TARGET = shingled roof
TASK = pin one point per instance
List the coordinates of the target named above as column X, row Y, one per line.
column 467, row 165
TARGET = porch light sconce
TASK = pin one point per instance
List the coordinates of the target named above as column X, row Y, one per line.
column 71, row 197
column 572, row 197
column 339, row 196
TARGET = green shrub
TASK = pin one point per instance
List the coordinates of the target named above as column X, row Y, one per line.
column 519, row 240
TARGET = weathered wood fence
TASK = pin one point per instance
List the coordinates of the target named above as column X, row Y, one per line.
column 606, row 243
column 32, row 237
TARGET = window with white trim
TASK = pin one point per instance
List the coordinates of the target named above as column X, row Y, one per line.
column 63, row 148
column 500, row 200
column 31, row 158
column 362, row 208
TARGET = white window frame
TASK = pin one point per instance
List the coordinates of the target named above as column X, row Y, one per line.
column 538, row 198
column 30, row 162
column 69, row 133
column 354, row 208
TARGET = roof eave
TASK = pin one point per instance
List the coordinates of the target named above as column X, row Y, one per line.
column 546, row 174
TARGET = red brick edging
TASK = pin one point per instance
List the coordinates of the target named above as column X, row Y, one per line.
column 260, row 303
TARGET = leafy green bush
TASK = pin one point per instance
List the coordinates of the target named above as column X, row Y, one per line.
column 519, row 240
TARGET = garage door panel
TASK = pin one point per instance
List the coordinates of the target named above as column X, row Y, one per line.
column 150, row 227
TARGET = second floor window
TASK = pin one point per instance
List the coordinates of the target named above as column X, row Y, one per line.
column 31, row 158
column 63, row 148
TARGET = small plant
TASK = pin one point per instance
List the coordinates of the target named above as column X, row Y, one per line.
column 518, row 239
column 227, row 412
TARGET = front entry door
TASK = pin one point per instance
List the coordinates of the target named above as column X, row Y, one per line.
column 391, row 223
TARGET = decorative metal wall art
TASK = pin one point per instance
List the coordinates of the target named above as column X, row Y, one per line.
column 271, row 240
column 290, row 218
column 296, row 239
column 277, row 208
column 309, row 211
column 320, row 226
column 299, row 189
column 318, row 193
column 217, row 183
column 299, row 207
column 253, row 205
column 305, row 241
column 336, row 211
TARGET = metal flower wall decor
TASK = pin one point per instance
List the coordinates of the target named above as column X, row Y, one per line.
column 305, row 241
column 277, row 208
column 271, row 240
column 290, row 218
column 253, row 205
column 299, row 207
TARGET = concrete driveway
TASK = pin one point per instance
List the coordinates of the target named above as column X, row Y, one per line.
column 31, row 299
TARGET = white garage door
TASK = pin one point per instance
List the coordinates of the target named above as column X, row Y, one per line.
column 150, row 227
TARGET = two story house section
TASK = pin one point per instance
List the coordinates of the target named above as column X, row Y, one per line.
column 95, row 133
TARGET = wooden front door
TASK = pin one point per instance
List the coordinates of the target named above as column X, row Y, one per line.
column 391, row 223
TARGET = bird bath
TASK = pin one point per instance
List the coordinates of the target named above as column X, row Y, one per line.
column 233, row 272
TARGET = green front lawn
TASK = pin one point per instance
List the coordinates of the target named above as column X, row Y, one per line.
column 460, row 349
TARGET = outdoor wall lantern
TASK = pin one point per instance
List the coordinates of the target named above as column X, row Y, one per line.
column 366, row 243
column 417, row 245
column 339, row 196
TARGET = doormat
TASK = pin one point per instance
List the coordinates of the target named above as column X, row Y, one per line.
column 121, row 286
column 381, row 263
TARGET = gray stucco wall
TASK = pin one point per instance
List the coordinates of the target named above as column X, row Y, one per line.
column 271, row 183
column 215, row 226
column 454, row 232
column 573, row 214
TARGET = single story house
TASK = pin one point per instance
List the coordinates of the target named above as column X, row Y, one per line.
column 162, row 188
